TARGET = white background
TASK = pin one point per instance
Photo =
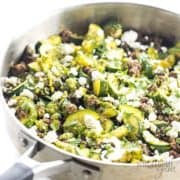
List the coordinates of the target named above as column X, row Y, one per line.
column 17, row 15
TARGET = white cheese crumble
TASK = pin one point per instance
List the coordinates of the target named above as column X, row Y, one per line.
column 74, row 71
column 111, row 99
column 176, row 125
column 138, row 45
column 129, row 36
column 146, row 37
column 40, row 85
column 56, row 96
column 132, row 95
column 39, row 74
column 12, row 80
column 117, row 153
column 173, row 83
column 96, row 75
column 82, row 81
column 109, row 40
column 151, row 44
column 67, row 48
column 27, row 93
column 118, row 42
column 172, row 133
column 151, row 102
column 119, row 117
column 93, row 123
column 100, row 32
column 164, row 49
column 51, row 137
column 44, row 48
column 54, row 70
column 46, row 116
column 174, row 102
column 79, row 93
column 152, row 116
column 81, row 107
column 134, row 103
column 67, row 59
column 157, row 157
column 114, row 54
column 149, row 125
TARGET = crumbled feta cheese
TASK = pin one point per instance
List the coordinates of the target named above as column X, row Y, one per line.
column 51, row 137
column 113, row 140
column 82, row 81
column 138, row 45
column 153, row 128
column 56, row 96
column 93, row 124
column 176, row 125
column 74, row 71
column 100, row 32
column 79, row 93
column 118, row 42
column 114, row 54
column 67, row 48
column 96, row 75
column 157, row 157
column 44, row 48
column 113, row 156
column 12, row 80
column 132, row 95
column 12, row 102
column 119, row 117
column 129, row 36
column 81, row 107
column 152, row 116
column 174, row 102
column 117, row 151
column 134, row 103
column 40, row 85
column 54, row 70
column 151, row 102
column 173, row 83
column 146, row 38
column 67, row 59
column 27, row 93
column 111, row 99
column 172, row 133
column 151, row 44
column 124, row 90
column 109, row 40
column 46, row 116
column 164, row 49
column 149, row 125
column 39, row 74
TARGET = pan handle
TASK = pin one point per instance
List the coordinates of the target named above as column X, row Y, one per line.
column 27, row 168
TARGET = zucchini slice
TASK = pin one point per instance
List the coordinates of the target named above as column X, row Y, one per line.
column 132, row 118
column 75, row 122
column 100, row 87
column 154, row 142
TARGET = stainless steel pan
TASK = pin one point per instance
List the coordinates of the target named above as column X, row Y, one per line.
column 77, row 17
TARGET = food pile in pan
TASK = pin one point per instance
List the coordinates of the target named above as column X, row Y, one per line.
column 111, row 95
